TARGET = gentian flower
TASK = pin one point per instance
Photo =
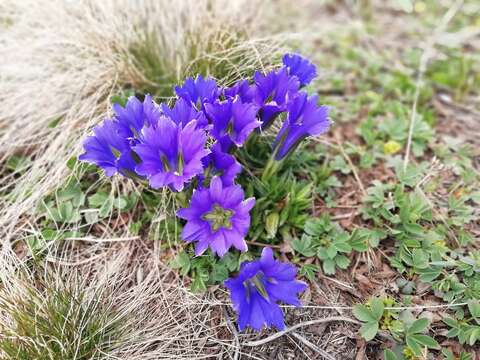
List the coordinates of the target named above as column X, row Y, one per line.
column 222, row 164
column 232, row 121
column 170, row 154
column 300, row 67
column 258, row 288
column 135, row 115
column 108, row 149
column 273, row 91
column 243, row 89
column 218, row 217
column 183, row 112
column 305, row 118
column 198, row 91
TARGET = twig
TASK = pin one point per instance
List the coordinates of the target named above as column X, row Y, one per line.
column 427, row 53
column 338, row 282
column 306, row 323
column 263, row 245
column 345, row 216
column 333, row 307
column 352, row 166
column 91, row 239
column 314, row 347
column 234, row 332
column 77, row 263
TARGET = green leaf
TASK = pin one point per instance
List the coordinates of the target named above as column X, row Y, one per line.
column 426, row 340
column 309, row 270
column 313, row 227
column 329, row 267
column 420, row 259
column 322, row 254
column 429, row 274
column 106, row 208
column 418, row 326
column 97, row 199
column 474, row 308
column 450, row 322
column 474, row 335
column 303, row 246
column 271, row 224
column 414, row 345
column 198, row 285
column 331, row 252
column 389, row 355
column 369, row 330
column 363, row 313
column 181, row 261
column 219, row 273
column 377, row 307
column 342, row 246
column 342, row 261
column 120, row 203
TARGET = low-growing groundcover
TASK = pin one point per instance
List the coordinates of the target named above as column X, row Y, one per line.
column 379, row 215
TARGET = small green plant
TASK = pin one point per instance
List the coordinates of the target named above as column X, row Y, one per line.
column 326, row 240
column 281, row 208
column 466, row 329
column 371, row 315
column 417, row 342
column 379, row 314
column 207, row 269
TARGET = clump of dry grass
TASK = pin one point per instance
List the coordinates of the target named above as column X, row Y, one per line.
column 61, row 61
column 120, row 306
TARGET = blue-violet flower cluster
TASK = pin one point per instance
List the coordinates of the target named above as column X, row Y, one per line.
column 190, row 145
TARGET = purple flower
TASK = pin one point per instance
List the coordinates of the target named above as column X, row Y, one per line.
column 183, row 112
column 273, row 91
column 222, row 164
column 243, row 89
column 305, row 118
column 232, row 121
column 170, row 154
column 135, row 116
column 108, row 149
column 300, row 67
column 198, row 91
column 217, row 217
column 258, row 288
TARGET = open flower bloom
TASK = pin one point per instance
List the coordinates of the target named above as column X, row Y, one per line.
column 241, row 88
column 218, row 217
column 272, row 93
column 258, row 288
column 170, row 154
column 300, row 67
column 183, row 112
column 108, row 149
column 198, row 91
column 232, row 121
column 305, row 118
column 221, row 164
column 135, row 115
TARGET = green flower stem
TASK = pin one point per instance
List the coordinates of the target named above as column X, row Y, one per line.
column 181, row 199
column 271, row 168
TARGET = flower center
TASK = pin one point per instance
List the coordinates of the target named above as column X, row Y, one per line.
column 167, row 166
column 219, row 218
column 258, row 283
column 115, row 152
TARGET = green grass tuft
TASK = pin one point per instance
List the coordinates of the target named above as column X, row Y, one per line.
column 56, row 322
